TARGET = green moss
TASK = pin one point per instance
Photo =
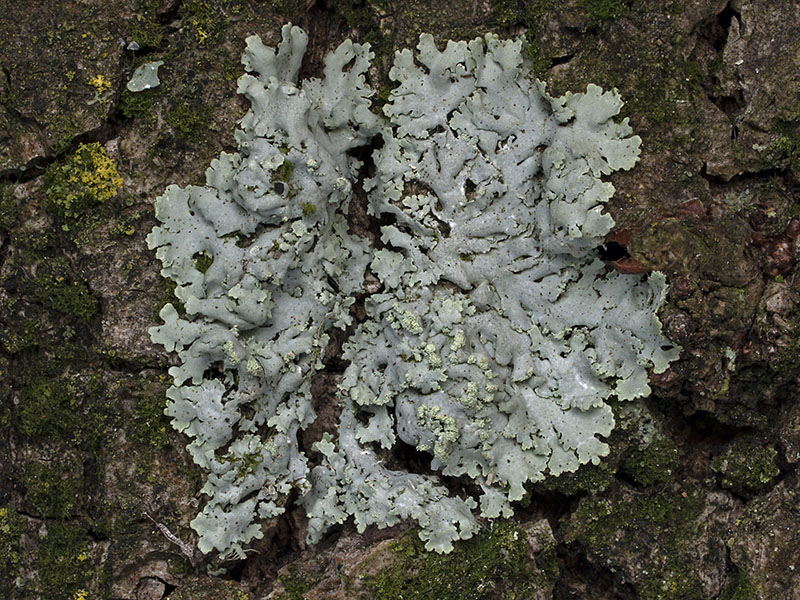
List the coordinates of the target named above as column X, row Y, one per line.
column 11, row 527
column 357, row 13
column 125, row 225
column 9, row 208
column 167, row 296
column 284, row 173
column 746, row 466
column 67, row 346
column 63, row 563
column 787, row 145
column 589, row 478
column 82, row 181
column 652, row 463
column 247, row 464
column 31, row 336
column 20, row 335
column 662, row 525
column 784, row 362
column 205, row 20
column 203, row 261
column 140, row 105
column 495, row 564
column 731, row 411
column 601, row 10
column 66, row 409
column 642, row 65
column 149, row 426
column 506, row 13
column 740, row 588
column 291, row 10
column 190, row 120
column 694, row 74
column 388, row 27
column 57, row 287
column 48, row 409
column 53, row 496
column 32, row 243
column 295, row 585
column 208, row 588
column 145, row 29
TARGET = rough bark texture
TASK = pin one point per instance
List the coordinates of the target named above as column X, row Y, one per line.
column 699, row 497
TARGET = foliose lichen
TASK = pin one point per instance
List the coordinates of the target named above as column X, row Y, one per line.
column 145, row 77
column 497, row 333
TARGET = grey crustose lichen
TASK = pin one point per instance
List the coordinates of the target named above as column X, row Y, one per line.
column 497, row 333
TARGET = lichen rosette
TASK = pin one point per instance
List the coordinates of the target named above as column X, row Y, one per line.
column 497, row 334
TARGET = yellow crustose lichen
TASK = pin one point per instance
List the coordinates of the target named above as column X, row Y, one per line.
column 96, row 172
column 86, row 178
column 100, row 83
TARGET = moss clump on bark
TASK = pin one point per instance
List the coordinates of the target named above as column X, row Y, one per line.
column 63, row 564
column 652, row 463
column 11, row 526
column 746, row 466
column 662, row 526
column 495, row 564
column 53, row 496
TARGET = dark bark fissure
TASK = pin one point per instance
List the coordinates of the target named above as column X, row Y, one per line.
column 716, row 33
column 582, row 578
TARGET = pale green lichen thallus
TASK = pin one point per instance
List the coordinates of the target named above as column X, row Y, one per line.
column 496, row 337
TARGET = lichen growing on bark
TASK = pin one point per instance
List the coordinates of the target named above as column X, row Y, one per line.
column 498, row 333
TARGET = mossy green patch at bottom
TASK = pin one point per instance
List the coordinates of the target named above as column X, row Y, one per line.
column 295, row 585
column 11, row 526
column 658, row 531
column 492, row 565
column 740, row 588
column 208, row 588
column 63, row 563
